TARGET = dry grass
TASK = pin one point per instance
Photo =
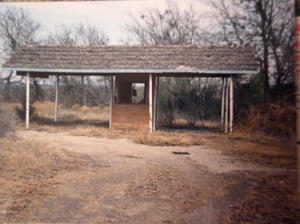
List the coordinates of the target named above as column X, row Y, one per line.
column 256, row 147
column 158, row 138
column 161, row 138
column 77, row 112
column 31, row 160
column 27, row 170
column 12, row 106
column 93, row 121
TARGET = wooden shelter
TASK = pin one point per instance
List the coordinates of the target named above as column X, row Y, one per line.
column 128, row 65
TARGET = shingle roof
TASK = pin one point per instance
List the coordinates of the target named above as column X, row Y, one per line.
column 137, row 59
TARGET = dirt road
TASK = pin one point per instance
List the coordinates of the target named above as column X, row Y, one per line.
column 124, row 182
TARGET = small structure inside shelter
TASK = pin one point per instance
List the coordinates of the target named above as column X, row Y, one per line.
column 136, row 66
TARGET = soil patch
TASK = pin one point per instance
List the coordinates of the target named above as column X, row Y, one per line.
column 65, row 178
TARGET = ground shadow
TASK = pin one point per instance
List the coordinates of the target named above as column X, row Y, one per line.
column 187, row 128
column 74, row 122
column 70, row 122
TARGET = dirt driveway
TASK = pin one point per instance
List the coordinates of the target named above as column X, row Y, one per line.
column 119, row 181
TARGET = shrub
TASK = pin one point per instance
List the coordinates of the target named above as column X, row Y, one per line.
column 165, row 107
column 7, row 120
column 21, row 111
column 276, row 119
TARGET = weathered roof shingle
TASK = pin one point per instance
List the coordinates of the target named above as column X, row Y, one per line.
column 138, row 58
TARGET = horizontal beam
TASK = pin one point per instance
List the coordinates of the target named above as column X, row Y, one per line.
column 71, row 71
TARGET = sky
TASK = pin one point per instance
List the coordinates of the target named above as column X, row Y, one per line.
column 108, row 16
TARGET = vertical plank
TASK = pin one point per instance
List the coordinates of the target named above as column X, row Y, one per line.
column 156, row 101
column 155, row 96
column 56, row 98
column 223, row 102
column 111, row 100
column 226, row 105
column 27, row 100
column 150, row 102
column 231, row 104
column 83, row 92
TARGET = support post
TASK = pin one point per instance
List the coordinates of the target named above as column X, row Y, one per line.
column 297, row 82
column 223, row 102
column 226, row 106
column 83, row 92
column 154, row 104
column 111, row 100
column 150, row 103
column 156, row 101
column 155, row 96
column 231, row 104
column 56, row 98
column 27, row 100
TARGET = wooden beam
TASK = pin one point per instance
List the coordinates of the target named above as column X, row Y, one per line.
column 223, row 102
column 150, row 103
column 231, row 104
column 56, row 98
column 156, row 101
column 111, row 100
column 226, row 106
column 27, row 100
column 83, row 92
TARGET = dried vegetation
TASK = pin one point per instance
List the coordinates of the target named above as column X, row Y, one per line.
column 27, row 171
column 7, row 120
column 273, row 119
column 268, row 199
column 93, row 121
column 28, row 168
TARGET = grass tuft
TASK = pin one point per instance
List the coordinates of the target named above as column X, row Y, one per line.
column 161, row 138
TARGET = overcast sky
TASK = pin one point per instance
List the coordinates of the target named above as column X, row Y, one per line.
column 108, row 16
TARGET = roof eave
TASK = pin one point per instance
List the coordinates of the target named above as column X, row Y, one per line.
column 50, row 71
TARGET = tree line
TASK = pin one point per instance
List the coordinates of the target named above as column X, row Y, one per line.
column 265, row 25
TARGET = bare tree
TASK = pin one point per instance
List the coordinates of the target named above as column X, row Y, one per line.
column 173, row 26
column 17, row 29
column 169, row 26
column 78, row 35
column 266, row 25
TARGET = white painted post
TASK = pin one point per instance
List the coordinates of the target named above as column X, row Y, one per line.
column 231, row 104
column 111, row 100
column 226, row 105
column 156, row 101
column 223, row 102
column 56, row 98
column 150, row 102
column 27, row 100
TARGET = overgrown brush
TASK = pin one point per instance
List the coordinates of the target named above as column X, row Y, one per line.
column 7, row 120
column 272, row 118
